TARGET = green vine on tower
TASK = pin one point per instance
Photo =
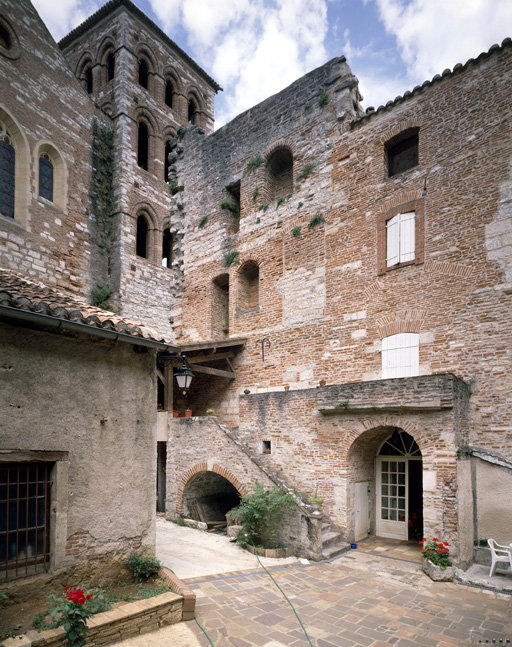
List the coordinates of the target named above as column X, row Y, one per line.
column 102, row 206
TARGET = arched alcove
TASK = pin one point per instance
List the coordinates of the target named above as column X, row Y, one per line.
column 208, row 497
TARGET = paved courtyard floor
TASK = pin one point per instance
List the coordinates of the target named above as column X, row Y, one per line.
column 374, row 596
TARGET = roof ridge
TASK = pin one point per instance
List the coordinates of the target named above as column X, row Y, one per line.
column 457, row 68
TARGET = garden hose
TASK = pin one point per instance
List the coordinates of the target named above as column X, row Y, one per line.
column 195, row 618
column 285, row 597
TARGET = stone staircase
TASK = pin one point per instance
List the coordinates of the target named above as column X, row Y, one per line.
column 332, row 543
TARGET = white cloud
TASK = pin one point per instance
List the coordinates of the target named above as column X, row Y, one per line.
column 253, row 48
column 61, row 16
column 433, row 35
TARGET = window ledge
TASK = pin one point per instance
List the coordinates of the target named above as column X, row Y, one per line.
column 427, row 405
column 13, row 221
column 246, row 311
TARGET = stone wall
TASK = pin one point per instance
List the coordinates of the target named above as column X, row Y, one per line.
column 331, row 448
column 144, row 289
column 44, row 109
column 57, row 400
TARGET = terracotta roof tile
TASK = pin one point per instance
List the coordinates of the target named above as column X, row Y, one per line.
column 22, row 294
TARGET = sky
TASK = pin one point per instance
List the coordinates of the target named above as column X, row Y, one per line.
column 254, row 48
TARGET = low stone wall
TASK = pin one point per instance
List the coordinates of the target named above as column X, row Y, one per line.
column 127, row 620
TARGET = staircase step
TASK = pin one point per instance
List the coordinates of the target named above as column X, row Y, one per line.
column 333, row 551
column 330, row 539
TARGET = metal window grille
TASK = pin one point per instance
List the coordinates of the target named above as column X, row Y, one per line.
column 24, row 519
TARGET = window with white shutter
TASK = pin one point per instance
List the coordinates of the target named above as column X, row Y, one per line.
column 400, row 241
column 400, row 355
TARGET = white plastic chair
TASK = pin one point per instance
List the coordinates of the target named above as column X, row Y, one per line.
column 499, row 554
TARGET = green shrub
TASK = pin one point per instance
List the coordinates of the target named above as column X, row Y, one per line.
column 296, row 231
column 100, row 296
column 231, row 258
column 230, row 205
column 173, row 187
column 316, row 220
column 260, row 514
column 305, row 171
column 280, row 201
column 143, row 567
column 255, row 194
column 264, row 206
column 254, row 163
column 203, row 222
column 323, row 100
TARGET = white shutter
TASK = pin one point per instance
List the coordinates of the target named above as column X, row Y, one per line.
column 400, row 355
column 392, row 241
column 406, row 236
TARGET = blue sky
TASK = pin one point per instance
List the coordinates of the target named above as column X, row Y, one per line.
column 254, row 48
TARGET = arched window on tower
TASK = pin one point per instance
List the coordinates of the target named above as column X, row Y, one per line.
column 142, row 145
column 169, row 93
column 7, row 175
column 111, row 66
column 88, row 79
column 167, row 150
column 192, row 111
column 142, row 236
column 249, row 286
column 45, row 177
column 167, row 248
column 5, row 39
column 280, row 173
column 143, row 73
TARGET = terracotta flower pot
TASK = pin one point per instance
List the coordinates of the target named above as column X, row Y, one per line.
column 188, row 413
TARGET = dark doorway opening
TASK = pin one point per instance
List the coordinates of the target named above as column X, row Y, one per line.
column 415, row 511
column 161, row 461
column 208, row 497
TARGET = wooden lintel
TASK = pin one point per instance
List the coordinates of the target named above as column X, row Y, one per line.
column 197, row 368
column 210, row 357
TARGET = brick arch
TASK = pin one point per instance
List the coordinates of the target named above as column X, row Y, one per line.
column 400, row 321
column 402, row 198
column 424, row 437
column 398, row 128
column 203, row 467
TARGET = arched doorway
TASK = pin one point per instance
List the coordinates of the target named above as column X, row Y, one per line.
column 208, row 497
column 399, row 488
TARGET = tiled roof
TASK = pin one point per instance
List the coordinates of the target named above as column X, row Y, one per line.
column 108, row 8
column 24, row 295
column 370, row 112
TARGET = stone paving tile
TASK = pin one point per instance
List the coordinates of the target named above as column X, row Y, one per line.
column 357, row 600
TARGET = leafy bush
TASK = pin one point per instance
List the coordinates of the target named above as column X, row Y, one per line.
column 280, row 201
column 230, row 205
column 316, row 220
column 436, row 551
column 203, row 222
column 254, row 163
column 100, row 296
column 260, row 514
column 264, row 206
column 231, row 258
column 296, row 231
column 255, row 194
column 143, row 567
column 305, row 171
column 323, row 100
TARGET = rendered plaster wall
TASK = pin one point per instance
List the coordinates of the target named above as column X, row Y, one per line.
column 96, row 401
column 493, row 502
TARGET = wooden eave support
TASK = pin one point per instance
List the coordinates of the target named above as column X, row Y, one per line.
column 197, row 368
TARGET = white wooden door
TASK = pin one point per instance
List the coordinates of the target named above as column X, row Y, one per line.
column 362, row 520
column 392, row 497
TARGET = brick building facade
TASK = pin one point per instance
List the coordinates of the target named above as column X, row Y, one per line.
column 339, row 280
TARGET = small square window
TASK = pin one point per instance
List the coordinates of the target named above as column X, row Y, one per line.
column 402, row 152
column 266, row 447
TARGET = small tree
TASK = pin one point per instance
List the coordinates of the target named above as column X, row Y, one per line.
column 260, row 514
